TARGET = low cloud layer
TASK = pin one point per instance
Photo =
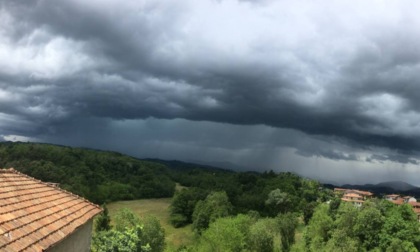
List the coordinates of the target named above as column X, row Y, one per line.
column 334, row 80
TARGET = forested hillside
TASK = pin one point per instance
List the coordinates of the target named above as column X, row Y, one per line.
column 97, row 175
column 102, row 176
column 228, row 211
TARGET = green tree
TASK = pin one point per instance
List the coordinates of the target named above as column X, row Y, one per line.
column 182, row 205
column 125, row 218
column 128, row 240
column 278, row 201
column 346, row 218
column 215, row 205
column 341, row 242
column 287, row 224
column 400, row 223
column 153, row 234
column 397, row 245
column 226, row 234
column 334, row 205
column 261, row 235
column 319, row 228
column 368, row 225
column 103, row 221
column 308, row 211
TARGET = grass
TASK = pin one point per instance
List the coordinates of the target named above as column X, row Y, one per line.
column 159, row 208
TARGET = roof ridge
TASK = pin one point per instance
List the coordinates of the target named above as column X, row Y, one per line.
column 13, row 170
column 8, row 170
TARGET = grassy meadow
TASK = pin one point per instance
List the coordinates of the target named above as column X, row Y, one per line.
column 160, row 209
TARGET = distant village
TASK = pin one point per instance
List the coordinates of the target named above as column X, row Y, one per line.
column 358, row 197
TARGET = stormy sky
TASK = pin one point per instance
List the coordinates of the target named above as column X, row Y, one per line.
column 327, row 89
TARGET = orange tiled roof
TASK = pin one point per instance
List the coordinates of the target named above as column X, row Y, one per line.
column 398, row 201
column 35, row 215
column 414, row 204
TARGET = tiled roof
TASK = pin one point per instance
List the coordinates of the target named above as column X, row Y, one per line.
column 398, row 201
column 365, row 193
column 35, row 215
column 415, row 204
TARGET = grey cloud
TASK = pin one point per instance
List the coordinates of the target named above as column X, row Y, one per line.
column 355, row 80
column 399, row 158
column 330, row 154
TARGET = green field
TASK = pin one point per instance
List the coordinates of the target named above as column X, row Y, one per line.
column 159, row 208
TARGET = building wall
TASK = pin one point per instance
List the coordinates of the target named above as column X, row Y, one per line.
column 412, row 199
column 79, row 241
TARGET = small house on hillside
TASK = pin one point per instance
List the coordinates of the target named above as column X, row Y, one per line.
column 38, row 216
column 392, row 197
column 399, row 200
column 416, row 208
column 357, row 197
column 408, row 199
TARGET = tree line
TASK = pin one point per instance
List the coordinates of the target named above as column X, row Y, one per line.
column 228, row 211
column 99, row 176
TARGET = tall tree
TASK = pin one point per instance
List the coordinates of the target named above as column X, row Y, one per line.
column 287, row 224
column 226, row 234
column 278, row 201
column 216, row 205
column 153, row 234
column 368, row 224
column 319, row 229
column 261, row 235
column 103, row 221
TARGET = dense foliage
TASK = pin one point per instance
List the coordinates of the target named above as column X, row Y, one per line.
column 131, row 234
column 96, row 175
column 376, row 226
column 266, row 193
column 228, row 211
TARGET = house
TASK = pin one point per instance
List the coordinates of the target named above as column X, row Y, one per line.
column 392, row 197
column 399, row 200
column 38, row 216
column 416, row 208
column 354, row 198
column 357, row 197
column 408, row 199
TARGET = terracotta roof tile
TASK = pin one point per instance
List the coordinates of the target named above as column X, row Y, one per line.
column 399, row 201
column 35, row 215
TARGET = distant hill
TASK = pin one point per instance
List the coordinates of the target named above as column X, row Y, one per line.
column 397, row 185
column 186, row 166
column 390, row 187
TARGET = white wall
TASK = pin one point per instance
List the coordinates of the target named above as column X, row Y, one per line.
column 79, row 241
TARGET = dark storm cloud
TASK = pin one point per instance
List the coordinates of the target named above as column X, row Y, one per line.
column 349, row 73
column 331, row 154
column 394, row 157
